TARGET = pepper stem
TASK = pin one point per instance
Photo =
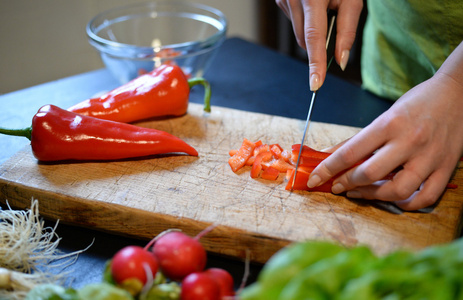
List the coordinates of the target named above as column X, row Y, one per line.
column 207, row 91
column 26, row 132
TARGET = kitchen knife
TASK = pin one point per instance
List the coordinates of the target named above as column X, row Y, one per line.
column 330, row 46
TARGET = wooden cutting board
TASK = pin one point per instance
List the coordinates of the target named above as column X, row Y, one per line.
column 143, row 197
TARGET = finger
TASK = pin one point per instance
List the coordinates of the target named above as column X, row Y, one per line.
column 406, row 182
column 424, row 173
column 406, row 194
column 296, row 14
column 369, row 192
column 315, row 28
column 381, row 190
column 348, row 17
column 334, row 148
column 283, row 5
column 293, row 10
column 375, row 168
column 382, row 163
column 350, row 153
column 428, row 195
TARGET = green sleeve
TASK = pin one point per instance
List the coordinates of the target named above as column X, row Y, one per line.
column 406, row 41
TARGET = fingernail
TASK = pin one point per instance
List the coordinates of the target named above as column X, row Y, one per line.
column 314, row 181
column 314, row 82
column 337, row 188
column 344, row 59
column 354, row 194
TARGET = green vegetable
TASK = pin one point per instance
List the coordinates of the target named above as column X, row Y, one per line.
column 51, row 292
column 163, row 291
column 107, row 276
column 435, row 273
column 285, row 265
column 323, row 279
column 397, row 284
column 103, row 291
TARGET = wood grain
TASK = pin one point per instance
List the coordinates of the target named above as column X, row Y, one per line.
column 142, row 197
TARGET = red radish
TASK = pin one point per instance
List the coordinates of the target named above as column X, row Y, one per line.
column 179, row 255
column 133, row 262
column 200, row 286
column 224, row 280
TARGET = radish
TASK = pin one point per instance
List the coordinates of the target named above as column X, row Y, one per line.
column 133, row 262
column 179, row 254
column 200, row 286
column 224, row 280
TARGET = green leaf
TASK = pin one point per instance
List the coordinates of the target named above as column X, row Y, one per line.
column 51, row 292
column 103, row 291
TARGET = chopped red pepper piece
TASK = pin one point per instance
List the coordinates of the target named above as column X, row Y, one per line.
column 250, row 161
column 258, row 143
column 261, row 148
column 238, row 160
column 257, row 165
column 286, row 155
column 276, row 150
column 270, row 173
column 281, row 165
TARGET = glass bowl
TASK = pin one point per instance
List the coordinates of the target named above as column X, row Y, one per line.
column 135, row 39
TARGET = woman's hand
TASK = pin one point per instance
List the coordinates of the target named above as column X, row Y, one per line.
column 309, row 19
column 422, row 133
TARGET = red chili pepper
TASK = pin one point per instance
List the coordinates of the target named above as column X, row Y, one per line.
column 303, row 176
column 309, row 152
column 162, row 92
column 57, row 134
column 301, row 182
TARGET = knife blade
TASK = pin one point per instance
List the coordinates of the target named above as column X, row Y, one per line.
column 330, row 46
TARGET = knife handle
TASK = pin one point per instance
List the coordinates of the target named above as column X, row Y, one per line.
column 331, row 36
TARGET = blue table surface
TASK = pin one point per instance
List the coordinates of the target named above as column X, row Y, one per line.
column 243, row 76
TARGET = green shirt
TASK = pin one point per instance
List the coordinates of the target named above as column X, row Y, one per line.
column 406, row 41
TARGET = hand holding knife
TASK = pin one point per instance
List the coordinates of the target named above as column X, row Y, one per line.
column 330, row 46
